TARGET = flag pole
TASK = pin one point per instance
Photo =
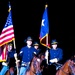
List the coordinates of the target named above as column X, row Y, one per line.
column 16, row 58
column 47, row 48
column 46, row 53
column 14, row 44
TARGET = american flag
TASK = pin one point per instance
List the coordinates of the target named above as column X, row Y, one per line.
column 7, row 34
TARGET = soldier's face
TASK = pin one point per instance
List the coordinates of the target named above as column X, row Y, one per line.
column 54, row 46
column 9, row 47
column 29, row 42
column 36, row 47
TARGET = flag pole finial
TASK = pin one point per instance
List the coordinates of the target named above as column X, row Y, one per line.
column 9, row 7
column 46, row 6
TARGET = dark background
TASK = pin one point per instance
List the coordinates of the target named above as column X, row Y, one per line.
column 27, row 16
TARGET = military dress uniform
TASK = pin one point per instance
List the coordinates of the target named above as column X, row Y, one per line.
column 26, row 55
column 38, row 51
column 56, row 55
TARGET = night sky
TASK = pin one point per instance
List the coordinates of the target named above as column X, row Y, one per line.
column 27, row 16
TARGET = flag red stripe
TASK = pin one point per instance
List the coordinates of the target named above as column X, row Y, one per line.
column 5, row 41
column 9, row 34
column 3, row 55
column 7, row 30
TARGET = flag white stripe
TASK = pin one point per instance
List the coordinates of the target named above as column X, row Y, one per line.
column 1, row 57
column 5, row 38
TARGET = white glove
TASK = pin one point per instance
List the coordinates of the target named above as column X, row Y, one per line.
column 4, row 63
column 17, row 61
column 34, row 52
column 54, row 60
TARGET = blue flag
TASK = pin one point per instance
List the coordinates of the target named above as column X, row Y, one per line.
column 44, row 32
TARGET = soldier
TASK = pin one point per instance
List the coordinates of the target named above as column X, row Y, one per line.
column 36, row 46
column 56, row 54
column 11, row 58
column 26, row 54
column 9, row 64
